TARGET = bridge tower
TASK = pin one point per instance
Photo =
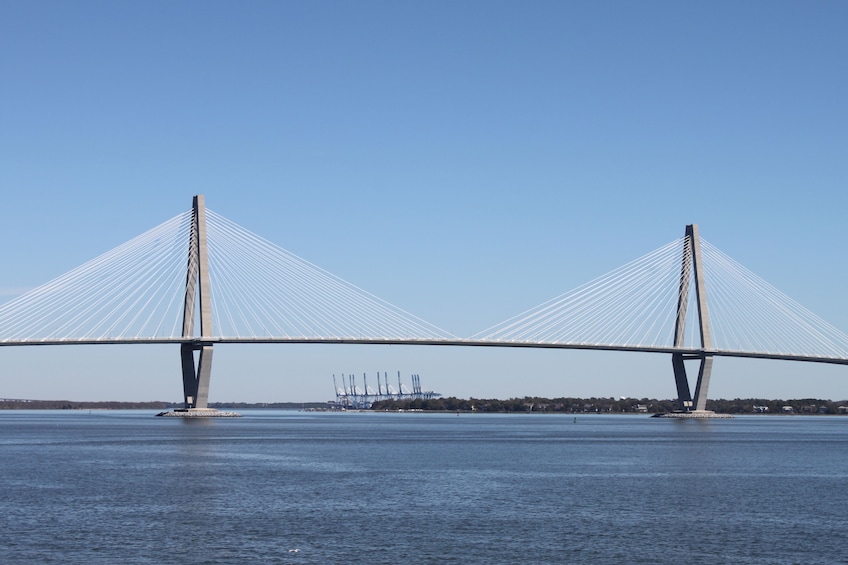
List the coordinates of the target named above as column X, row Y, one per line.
column 197, row 293
column 692, row 269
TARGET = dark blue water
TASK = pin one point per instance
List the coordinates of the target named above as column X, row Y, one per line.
column 289, row 487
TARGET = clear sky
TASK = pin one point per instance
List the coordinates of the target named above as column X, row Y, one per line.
column 464, row 160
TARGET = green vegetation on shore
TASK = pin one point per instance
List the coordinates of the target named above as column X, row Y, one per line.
column 569, row 405
column 611, row 405
column 10, row 404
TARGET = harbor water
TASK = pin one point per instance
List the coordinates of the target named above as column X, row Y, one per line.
column 303, row 487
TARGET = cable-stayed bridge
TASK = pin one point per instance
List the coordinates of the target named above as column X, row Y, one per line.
column 199, row 279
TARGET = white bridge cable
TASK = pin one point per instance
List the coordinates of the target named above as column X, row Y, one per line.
column 100, row 299
column 263, row 291
column 749, row 314
column 136, row 290
column 270, row 318
column 310, row 313
column 634, row 305
column 108, row 312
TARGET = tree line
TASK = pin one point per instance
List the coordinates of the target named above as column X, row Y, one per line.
column 611, row 405
column 8, row 404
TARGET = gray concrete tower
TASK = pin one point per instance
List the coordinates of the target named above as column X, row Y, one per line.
column 196, row 380
column 692, row 267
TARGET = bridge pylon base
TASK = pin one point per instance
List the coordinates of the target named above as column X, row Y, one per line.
column 685, row 402
column 196, row 379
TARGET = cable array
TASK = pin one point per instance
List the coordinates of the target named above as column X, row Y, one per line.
column 749, row 314
column 260, row 290
column 634, row 305
column 135, row 290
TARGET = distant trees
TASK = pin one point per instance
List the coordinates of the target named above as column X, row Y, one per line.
column 528, row 404
column 776, row 406
column 532, row 404
column 68, row 405
column 609, row 405
column 8, row 404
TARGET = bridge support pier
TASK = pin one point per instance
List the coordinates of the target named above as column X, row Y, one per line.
column 685, row 402
column 196, row 380
column 684, row 396
column 703, row 383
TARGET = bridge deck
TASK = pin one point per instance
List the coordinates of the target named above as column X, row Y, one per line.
column 694, row 352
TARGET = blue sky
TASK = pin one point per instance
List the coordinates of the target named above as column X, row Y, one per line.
column 463, row 160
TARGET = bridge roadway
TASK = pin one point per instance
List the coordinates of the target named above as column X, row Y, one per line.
column 694, row 353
